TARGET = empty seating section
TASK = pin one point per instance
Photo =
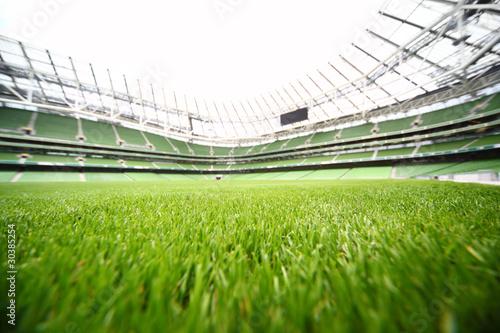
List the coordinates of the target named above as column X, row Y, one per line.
column 52, row 159
column 6, row 176
column 443, row 146
column 356, row 131
column 183, row 177
column 160, row 143
column 49, row 176
column 131, row 136
column 376, row 172
column 395, row 152
column 420, row 170
column 486, row 141
column 355, row 156
column 493, row 104
column 276, row 145
column 98, row 133
column 322, row 137
column 296, row 142
column 319, row 159
column 145, row 176
column 292, row 175
column 237, row 166
column 105, row 176
column 200, row 150
column 92, row 161
column 240, row 151
column 470, row 166
column 327, row 174
column 186, row 166
column 447, row 114
column 163, row 165
column 57, row 127
column 176, row 177
column 13, row 157
column 294, row 161
column 263, row 164
column 180, row 145
column 202, row 166
column 220, row 167
column 259, row 148
column 268, row 175
column 143, row 164
column 395, row 125
column 61, row 127
column 221, row 151
column 13, row 119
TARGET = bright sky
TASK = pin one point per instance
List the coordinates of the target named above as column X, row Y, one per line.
column 213, row 49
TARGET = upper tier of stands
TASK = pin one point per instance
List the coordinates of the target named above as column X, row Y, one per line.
column 51, row 126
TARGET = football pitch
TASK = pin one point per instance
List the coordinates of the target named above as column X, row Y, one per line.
column 250, row 256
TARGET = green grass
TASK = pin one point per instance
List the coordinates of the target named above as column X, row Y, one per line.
column 252, row 256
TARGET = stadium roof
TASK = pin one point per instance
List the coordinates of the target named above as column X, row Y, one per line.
column 412, row 49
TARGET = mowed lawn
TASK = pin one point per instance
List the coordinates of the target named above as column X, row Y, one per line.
column 315, row 256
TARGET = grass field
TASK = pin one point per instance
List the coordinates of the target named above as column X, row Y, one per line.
column 324, row 256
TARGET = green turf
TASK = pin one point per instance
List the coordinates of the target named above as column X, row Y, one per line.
column 305, row 256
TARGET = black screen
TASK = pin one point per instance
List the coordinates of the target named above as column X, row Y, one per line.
column 294, row 116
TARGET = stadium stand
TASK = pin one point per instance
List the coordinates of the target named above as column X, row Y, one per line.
column 49, row 176
column 293, row 175
column 443, row 146
column 160, row 143
column 131, row 136
column 92, row 161
column 354, row 156
column 492, row 104
column 412, row 171
column 145, row 176
column 356, row 131
column 375, row 172
column 327, row 174
column 395, row 152
column 395, row 125
column 142, row 164
column 282, row 154
column 163, row 165
column 99, row 133
column 62, row 159
column 105, row 176
column 6, row 176
column 10, row 157
column 296, row 142
column 470, row 166
column 239, row 151
column 181, row 146
column 319, row 159
column 56, row 127
column 322, row 137
column 488, row 140
column 221, row 151
column 14, row 119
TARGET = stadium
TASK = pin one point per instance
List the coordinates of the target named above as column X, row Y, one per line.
column 358, row 198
